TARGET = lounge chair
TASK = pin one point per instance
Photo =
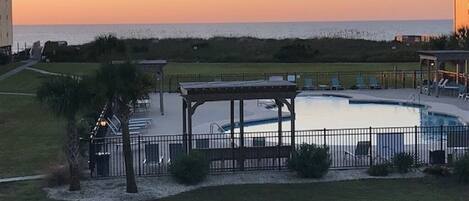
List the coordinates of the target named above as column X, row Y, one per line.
column 335, row 84
column 361, row 151
column 258, row 142
column 115, row 131
column 152, row 155
column 360, row 82
column 374, row 83
column 134, row 123
column 308, row 84
column 175, row 150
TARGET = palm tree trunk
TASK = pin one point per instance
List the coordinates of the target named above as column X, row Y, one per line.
column 129, row 166
column 73, row 152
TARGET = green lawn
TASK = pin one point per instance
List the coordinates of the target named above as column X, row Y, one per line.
column 69, row 68
column 5, row 68
column 23, row 191
column 31, row 137
column 25, row 81
column 366, row 190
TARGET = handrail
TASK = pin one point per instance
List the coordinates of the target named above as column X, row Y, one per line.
column 219, row 128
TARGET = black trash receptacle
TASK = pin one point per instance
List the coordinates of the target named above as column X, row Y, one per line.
column 438, row 157
column 102, row 164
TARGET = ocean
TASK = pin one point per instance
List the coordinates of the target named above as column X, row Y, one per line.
column 372, row 30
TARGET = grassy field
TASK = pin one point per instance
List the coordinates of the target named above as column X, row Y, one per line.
column 366, row 190
column 31, row 136
column 24, row 82
column 23, row 191
column 230, row 68
column 5, row 68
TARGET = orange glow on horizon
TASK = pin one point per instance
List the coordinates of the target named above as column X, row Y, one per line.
column 200, row 11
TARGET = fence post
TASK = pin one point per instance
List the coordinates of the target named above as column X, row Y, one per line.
column 403, row 79
column 416, row 145
column 441, row 137
column 371, row 147
column 139, row 157
column 325, row 131
column 415, row 79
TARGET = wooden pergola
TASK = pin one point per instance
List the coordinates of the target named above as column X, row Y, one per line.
column 434, row 62
column 195, row 94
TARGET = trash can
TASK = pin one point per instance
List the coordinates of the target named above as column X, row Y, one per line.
column 438, row 157
column 102, row 163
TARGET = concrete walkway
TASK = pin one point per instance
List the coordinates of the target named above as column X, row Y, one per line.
column 25, row 178
column 17, row 94
column 43, row 71
column 29, row 63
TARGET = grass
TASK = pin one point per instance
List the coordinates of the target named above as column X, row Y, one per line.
column 24, row 82
column 365, row 190
column 6, row 68
column 69, row 68
column 31, row 137
column 23, row 191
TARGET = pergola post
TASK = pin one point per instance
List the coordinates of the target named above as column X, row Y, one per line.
column 161, row 74
column 437, row 77
column 279, row 135
column 241, row 134
column 232, row 130
column 189, row 125
column 184, row 125
column 293, row 120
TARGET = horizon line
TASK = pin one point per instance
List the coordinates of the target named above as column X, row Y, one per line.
column 247, row 22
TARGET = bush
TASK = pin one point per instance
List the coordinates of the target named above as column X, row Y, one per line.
column 4, row 59
column 461, row 169
column 190, row 169
column 57, row 175
column 437, row 170
column 380, row 170
column 310, row 161
column 403, row 162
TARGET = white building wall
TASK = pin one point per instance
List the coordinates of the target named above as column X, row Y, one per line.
column 6, row 23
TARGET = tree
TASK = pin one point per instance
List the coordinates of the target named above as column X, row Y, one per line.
column 66, row 97
column 107, row 47
column 124, row 84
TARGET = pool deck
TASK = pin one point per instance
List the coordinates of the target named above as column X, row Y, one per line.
column 219, row 112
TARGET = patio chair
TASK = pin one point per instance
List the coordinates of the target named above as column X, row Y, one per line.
column 462, row 93
column 202, row 143
column 360, row 82
column 258, row 141
column 175, row 150
column 118, row 126
column 308, row 84
column 361, row 151
column 335, row 84
column 152, row 155
column 374, row 83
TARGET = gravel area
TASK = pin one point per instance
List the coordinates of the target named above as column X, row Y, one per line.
column 159, row 187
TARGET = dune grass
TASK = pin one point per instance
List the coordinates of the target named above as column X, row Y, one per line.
column 31, row 137
column 365, row 190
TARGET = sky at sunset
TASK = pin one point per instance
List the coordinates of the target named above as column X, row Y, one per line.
column 200, row 11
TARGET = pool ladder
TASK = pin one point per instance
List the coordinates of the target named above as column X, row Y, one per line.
column 216, row 126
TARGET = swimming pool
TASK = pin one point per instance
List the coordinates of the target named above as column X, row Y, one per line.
column 331, row 112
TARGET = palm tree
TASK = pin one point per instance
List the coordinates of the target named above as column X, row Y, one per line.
column 124, row 84
column 66, row 97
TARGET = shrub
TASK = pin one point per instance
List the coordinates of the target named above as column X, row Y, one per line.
column 403, row 162
column 310, row 161
column 461, row 169
column 190, row 169
column 380, row 170
column 57, row 175
column 437, row 170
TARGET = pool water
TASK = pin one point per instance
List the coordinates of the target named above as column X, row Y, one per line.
column 319, row 112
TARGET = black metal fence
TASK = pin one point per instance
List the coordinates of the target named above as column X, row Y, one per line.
column 348, row 148
column 387, row 79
